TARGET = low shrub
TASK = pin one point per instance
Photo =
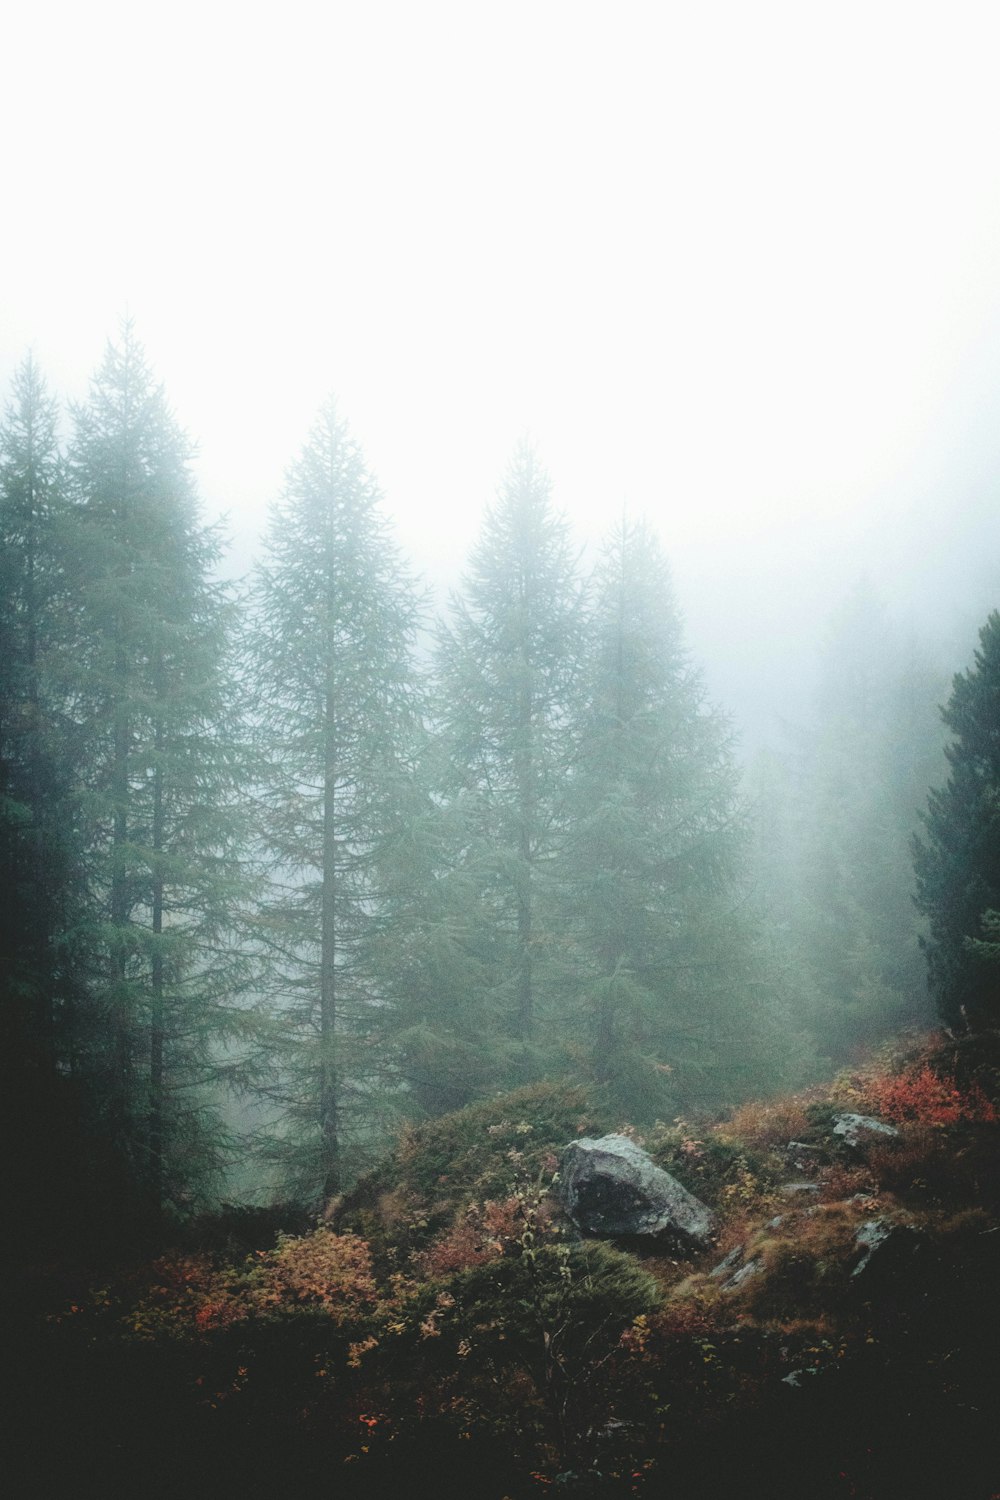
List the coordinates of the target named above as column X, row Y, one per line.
column 926, row 1097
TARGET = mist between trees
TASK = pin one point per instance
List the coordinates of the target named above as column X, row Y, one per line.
column 275, row 881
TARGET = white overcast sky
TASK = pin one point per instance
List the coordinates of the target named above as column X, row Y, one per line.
column 735, row 265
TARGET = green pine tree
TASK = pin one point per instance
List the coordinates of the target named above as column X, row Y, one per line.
column 33, row 791
column 40, row 958
column 507, row 666
column 160, row 767
column 329, row 650
column 668, row 991
column 957, row 860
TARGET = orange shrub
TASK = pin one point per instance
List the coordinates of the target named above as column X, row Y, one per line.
column 924, row 1097
column 184, row 1291
column 322, row 1270
column 481, row 1235
column 771, row 1122
column 327, row 1271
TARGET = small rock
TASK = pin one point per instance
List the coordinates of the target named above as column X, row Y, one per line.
column 750, row 1268
column 855, row 1129
column 730, row 1263
column 735, row 1269
column 794, row 1189
column 805, row 1157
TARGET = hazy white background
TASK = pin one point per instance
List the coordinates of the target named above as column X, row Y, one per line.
column 735, row 265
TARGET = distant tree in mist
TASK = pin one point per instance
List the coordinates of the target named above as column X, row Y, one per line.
column 507, row 665
column 329, row 660
column 666, row 984
column 957, row 856
column 838, row 811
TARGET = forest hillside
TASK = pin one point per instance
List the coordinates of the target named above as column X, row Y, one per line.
column 340, row 944
column 447, row 1329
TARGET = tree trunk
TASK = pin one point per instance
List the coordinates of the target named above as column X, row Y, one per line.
column 525, row 894
column 119, row 902
column 157, row 999
column 329, row 1102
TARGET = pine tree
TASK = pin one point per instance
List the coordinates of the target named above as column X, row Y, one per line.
column 333, row 621
column 33, row 791
column 159, row 768
column 39, row 854
column 957, row 861
column 507, row 665
column 663, row 949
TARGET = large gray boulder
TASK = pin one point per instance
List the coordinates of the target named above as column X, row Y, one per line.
column 611, row 1188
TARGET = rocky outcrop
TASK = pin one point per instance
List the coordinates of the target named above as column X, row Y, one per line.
column 613, row 1189
column 806, row 1155
column 799, row 1189
column 735, row 1269
column 886, row 1250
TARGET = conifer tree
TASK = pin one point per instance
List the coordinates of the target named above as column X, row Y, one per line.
column 159, row 769
column 333, row 620
column 507, row 666
column 666, row 983
column 39, row 855
column 957, row 860
column 33, row 790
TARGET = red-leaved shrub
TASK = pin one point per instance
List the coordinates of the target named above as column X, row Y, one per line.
column 924, row 1097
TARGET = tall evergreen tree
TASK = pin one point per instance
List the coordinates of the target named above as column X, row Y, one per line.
column 957, row 860
column 653, row 857
column 157, row 757
column 507, row 667
column 330, row 652
column 39, row 854
column 33, row 790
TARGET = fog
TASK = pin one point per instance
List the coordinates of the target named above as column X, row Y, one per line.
column 732, row 269
column 717, row 284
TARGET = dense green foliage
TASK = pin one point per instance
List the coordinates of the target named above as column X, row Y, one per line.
column 958, row 857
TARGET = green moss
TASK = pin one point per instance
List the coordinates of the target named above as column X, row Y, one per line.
column 571, row 1302
column 711, row 1164
column 487, row 1150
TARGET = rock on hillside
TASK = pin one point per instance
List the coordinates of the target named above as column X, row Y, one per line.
column 611, row 1188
